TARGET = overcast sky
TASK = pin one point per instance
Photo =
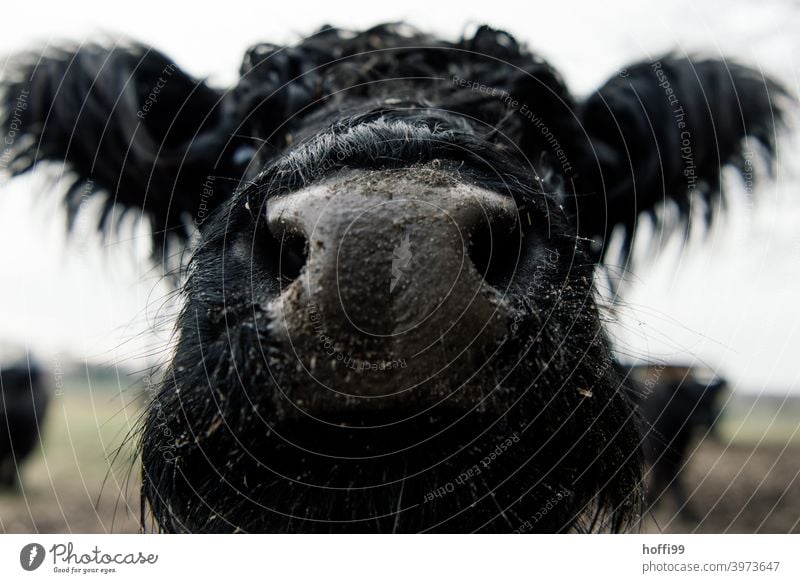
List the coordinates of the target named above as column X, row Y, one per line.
column 729, row 301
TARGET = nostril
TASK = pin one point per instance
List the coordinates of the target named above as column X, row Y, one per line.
column 293, row 256
column 286, row 242
column 494, row 249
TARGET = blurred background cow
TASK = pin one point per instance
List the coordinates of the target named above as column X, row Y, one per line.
column 23, row 405
column 679, row 406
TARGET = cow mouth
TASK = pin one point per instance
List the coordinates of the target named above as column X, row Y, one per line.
column 380, row 436
column 384, row 401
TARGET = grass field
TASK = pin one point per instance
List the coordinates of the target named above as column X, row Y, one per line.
column 765, row 420
column 85, row 479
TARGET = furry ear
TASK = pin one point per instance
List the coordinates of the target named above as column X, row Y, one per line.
column 661, row 132
column 125, row 120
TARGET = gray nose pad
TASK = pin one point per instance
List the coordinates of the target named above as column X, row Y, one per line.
column 390, row 236
column 394, row 270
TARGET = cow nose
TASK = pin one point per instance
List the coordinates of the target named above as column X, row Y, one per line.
column 340, row 230
column 392, row 270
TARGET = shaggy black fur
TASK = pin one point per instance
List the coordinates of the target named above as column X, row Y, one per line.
column 23, row 404
column 538, row 435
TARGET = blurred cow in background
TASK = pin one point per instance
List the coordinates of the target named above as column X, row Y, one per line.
column 678, row 404
column 23, row 404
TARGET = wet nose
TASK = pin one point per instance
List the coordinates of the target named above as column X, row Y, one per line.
column 399, row 273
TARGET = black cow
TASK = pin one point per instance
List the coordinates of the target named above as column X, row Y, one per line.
column 23, row 405
column 390, row 319
column 678, row 405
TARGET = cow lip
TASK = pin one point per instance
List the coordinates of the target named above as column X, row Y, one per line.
column 357, row 418
column 418, row 404
column 375, row 435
